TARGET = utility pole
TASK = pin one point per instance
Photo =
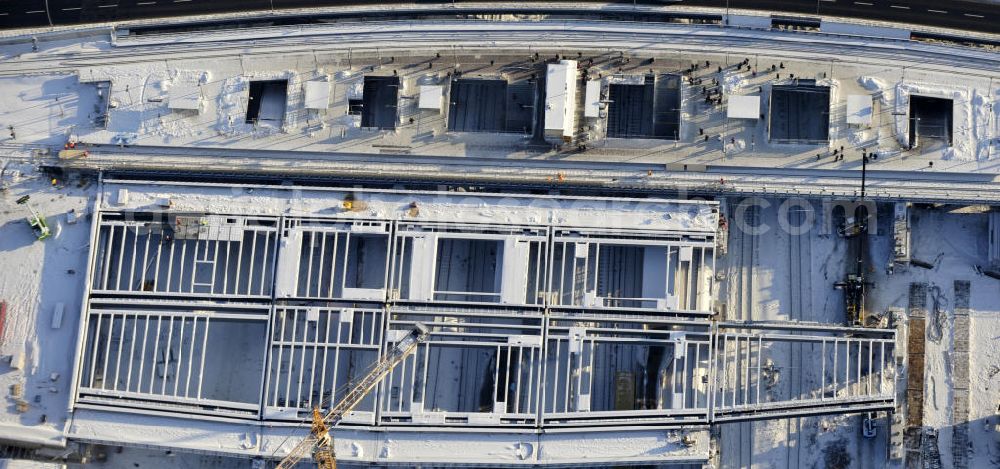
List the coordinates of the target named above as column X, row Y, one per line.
column 864, row 171
column 47, row 14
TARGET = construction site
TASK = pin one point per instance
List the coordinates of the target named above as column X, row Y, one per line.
column 485, row 235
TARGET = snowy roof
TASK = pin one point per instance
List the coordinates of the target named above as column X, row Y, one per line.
column 592, row 99
column 564, row 211
column 743, row 107
column 859, row 109
column 431, row 97
column 184, row 95
column 317, row 95
column 560, row 94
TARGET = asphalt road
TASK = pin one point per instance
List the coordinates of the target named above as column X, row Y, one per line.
column 973, row 16
column 981, row 16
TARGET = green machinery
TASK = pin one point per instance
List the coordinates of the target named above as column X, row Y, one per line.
column 37, row 222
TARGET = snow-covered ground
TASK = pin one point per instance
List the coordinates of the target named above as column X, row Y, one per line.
column 37, row 277
column 49, row 96
column 791, row 277
column 955, row 243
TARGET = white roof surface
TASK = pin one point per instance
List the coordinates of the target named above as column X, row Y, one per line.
column 592, row 99
column 184, row 95
column 743, row 107
column 859, row 109
column 431, row 97
column 560, row 94
column 317, row 95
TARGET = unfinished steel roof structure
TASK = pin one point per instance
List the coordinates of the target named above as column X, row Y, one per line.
column 479, row 234
column 587, row 315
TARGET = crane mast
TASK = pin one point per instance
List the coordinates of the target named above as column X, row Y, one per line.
column 319, row 436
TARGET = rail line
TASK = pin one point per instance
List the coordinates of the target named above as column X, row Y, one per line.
column 445, row 35
column 580, row 175
column 800, row 278
column 748, row 261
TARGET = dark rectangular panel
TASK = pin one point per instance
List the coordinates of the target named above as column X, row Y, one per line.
column 800, row 113
column 667, row 104
column 931, row 118
column 380, row 101
column 630, row 113
column 477, row 105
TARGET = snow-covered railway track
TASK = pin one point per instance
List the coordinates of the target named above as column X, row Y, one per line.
column 742, row 290
column 580, row 174
column 640, row 42
column 594, row 35
column 800, row 276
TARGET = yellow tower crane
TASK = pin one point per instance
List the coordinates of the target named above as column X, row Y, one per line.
column 319, row 441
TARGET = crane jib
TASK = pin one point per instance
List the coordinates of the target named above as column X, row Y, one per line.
column 401, row 350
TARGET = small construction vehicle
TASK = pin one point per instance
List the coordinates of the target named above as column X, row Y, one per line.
column 37, row 222
column 852, row 227
column 854, row 297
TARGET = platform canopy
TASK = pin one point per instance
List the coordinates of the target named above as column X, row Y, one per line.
column 317, row 94
column 743, row 107
column 859, row 109
column 185, row 95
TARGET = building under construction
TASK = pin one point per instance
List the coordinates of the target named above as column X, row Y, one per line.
column 570, row 234
column 586, row 315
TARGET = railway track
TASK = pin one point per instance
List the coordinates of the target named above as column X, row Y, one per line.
column 577, row 174
column 800, row 276
column 742, row 263
column 445, row 35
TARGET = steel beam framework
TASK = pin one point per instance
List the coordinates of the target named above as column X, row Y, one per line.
column 855, row 369
column 154, row 254
column 147, row 354
column 537, row 325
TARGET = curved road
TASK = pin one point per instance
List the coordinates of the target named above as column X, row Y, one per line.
column 980, row 16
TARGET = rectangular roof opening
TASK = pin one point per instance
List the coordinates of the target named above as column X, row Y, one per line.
column 647, row 110
column 380, row 102
column 491, row 105
column 930, row 119
column 477, row 105
column 267, row 102
column 800, row 113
